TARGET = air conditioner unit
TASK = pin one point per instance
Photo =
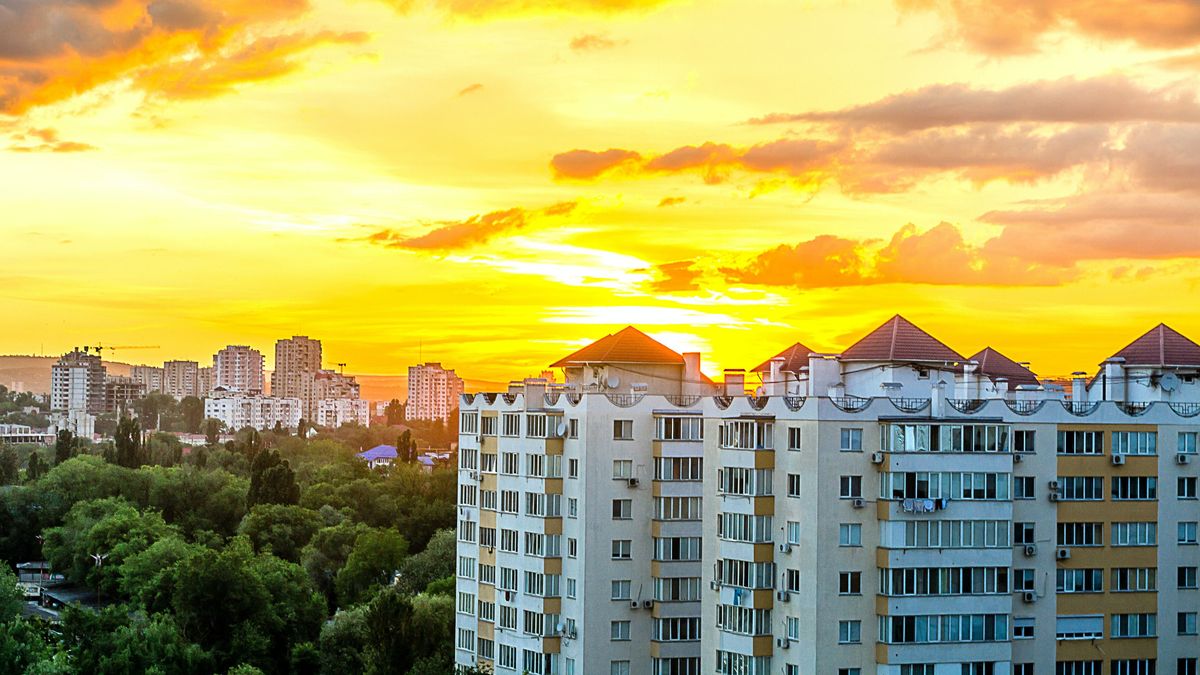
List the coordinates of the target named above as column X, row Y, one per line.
column 1030, row 550
column 1062, row 553
column 877, row 458
column 1029, row 596
column 647, row 604
column 1052, row 486
column 1053, row 496
column 1017, row 459
column 714, row 585
column 633, row 604
column 785, row 548
column 474, row 475
column 858, row 502
column 782, row 643
column 1182, row 458
column 633, row 482
column 1118, row 460
column 782, row 596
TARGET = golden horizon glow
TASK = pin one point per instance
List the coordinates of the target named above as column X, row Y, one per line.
column 492, row 183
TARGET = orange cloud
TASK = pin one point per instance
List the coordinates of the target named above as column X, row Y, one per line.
column 583, row 164
column 592, row 42
column 671, row 201
column 938, row 256
column 1091, row 101
column 44, row 140
column 478, row 229
column 470, row 89
column 1004, row 27
column 676, row 276
column 52, row 50
column 489, row 8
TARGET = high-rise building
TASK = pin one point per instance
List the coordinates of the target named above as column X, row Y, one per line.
column 238, row 368
column 238, row 411
column 150, row 377
column 77, row 383
column 204, row 381
column 895, row 508
column 334, row 412
column 297, row 361
column 433, row 392
column 120, row 393
column 181, row 378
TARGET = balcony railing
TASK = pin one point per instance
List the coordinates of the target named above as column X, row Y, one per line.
column 966, row 405
column 850, row 403
column 910, row 405
column 551, row 399
column 682, row 401
column 624, row 400
column 1185, row 409
column 758, row 402
column 1080, row 408
column 793, row 403
column 1025, row 407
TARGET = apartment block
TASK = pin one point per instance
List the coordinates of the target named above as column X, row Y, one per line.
column 433, row 392
column 334, row 412
column 297, row 360
column 895, row 508
column 150, row 377
column 181, row 379
column 120, row 393
column 77, row 383
column 238, row 411
column 238, row 368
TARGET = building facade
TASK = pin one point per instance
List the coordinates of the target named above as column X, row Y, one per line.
column 238, row 411
column 181, row 378
column 238, row 368
column 334, row 412
column 120, row 393
column 77, row 383
column 896, row 509
column 433, row 392
column 150, row 377
column 297, row 362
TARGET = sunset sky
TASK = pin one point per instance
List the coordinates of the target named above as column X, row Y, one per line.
column 491, row 183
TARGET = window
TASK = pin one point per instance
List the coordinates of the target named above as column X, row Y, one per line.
column 793, row 485
column 793, row 438
column 622, row 430
column 1090, row 580
column 1186, row 442
column 744, row 482
column 1023, row 487
column 1186, row 578
column 677, row 629
column 850, row 583
column 1134, row 443
column 1186, row 623
column 572, row 468
column 1077, row 667
column 466, row 603
column 1080, row 534
column 851, row 487
column 621, row 589
column 679, row 468
column 935, row 628
column 466, row 567
column 572, row 547
column 976, row 485
column 1079, row 627
column 1186, row 533
column 1134, row 625
column 1023, row 627
column 850, row 534
column 573, row 428
column 680, row 508
column 1022, row 669
column 570, row 587
column 791, row 581
column 677, row 589
column 849, row 632
column 947, row 534
column 1185, row 487
column 747, row 435
column 622, row 549
column 793, row 628
column 619, row 631
column 673, row 549
column 917, row 668
column 979, row 668
column 622, row 468
column 1023, row 533
column 535, row 426
column 928, row 581
column 622, row 509
column 849, row 671
column 1185, row 666
column 1134, row 579
column 689, row 428
column 487, row 426
column 466, row 639
column 487, row 462
column 572, row 507
column 1081, row 488
column 510, row 463
column 1023, row 580
column 618, row 668
column 1081, row 443
column 508, row 540
column 1023, row 441
column 793, row 532
column 851, row 440
column 1134, row 488
column 1135, row 534
column 1133, row 667
column 510, row 424
column 743, row 620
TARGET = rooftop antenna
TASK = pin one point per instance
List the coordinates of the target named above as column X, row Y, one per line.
column 341, row 368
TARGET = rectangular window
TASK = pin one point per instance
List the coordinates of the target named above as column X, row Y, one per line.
column 620, row 589
column 1077, row 667
column 1186, row 666
column 510, row 463
column 1186, row 533
column 679, row 508
column 1090, row 580
column 1081, row 488
column 793, row 532
column 573, row 428
column 535, row 466
column 793, row 438
column 1185, row 487
column 510, row 424
column 1134, row 488
column 689, row 428
column 1023, row 487
column 1023, row 441
column 1133, row 667
column 535, row 426
column 849, row 632
column 793, row 485
column 679, row 468
column 622, row 468
column 1134, row 625
column 487, row 426
column 850, row 534
column 1023, row 533
column 619, row 631
column 622, row 430
column 850, row 583
column 1186, row 442
column 622, row 509
column 1186, row 577
column 1134, row 579
column 851, row 440
column 850, row 487
column 1079, row 627
column 1023, row 627
column 671, row 549
column 1135, row 443
column 1023, row 580
column 1186, row 623
column 1081, row 443
column 1135, row 534
column 618, row 668
column 622, row 549
column 1080, row 534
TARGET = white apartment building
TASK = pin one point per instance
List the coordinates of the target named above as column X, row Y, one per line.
column 77, row 383
column 181, row 378
column 238, row 368
column 433, row 392
column 334, row 412
column 895, row 509
column 238, row 411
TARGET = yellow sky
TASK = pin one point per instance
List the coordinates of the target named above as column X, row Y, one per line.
column 434, row 176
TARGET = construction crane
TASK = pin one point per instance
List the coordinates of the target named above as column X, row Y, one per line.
column 99, row 348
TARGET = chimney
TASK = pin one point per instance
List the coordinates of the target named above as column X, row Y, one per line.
column 1115, row 388
column 1002, row 387
column 775, row 383
column 937, row 400
column 735, row 382
column 1079, row 387
column 693, row 379
column 824, row 371
column 969, row 383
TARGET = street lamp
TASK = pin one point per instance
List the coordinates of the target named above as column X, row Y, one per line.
column 98, row 559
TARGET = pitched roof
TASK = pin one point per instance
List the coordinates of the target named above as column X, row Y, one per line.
column 379, row 452
column 628, row 345
column 898, row 339
column 993, row 364
column 1161, row 346
column 794, row 358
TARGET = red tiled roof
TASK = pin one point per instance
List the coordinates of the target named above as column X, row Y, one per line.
column 794, row 358
column 629, row 345
column 1161, row 346
column 898, row 339
column 993, row 364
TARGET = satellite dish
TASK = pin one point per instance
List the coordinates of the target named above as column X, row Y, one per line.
column 613, row 382
column 560, row 627
column 1169, row 382
column 562, row 428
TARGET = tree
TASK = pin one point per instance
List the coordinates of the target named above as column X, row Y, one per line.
column 278, row 429
column 394, row 412
column 280, row 529
column 148, row 577
column 10, row 465
column 129, row 443
column 405, row 447
column 10, row 595
column 34, row 469
column 212, row 430
column 372, row 563
column 191, row 409
column 326, row 554
column 64, row 446
column 436, row 562
column 272, row 480
column 113, row 641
